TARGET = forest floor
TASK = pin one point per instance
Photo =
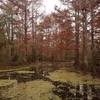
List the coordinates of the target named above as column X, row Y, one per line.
column 42, row 90
column 59, row 74
column 66, row 75
column 36, row 90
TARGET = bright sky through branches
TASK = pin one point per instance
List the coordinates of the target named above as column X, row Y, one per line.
column 50, row 4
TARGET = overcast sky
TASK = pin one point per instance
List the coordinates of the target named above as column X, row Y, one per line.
column 49, row 5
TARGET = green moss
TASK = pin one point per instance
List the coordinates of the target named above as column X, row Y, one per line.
column 7, row 82
column 37, row 90
column 75, row 78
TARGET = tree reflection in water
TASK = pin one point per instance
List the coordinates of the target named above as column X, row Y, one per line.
column 80, row 91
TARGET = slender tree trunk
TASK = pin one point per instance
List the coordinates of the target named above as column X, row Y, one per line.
column 77, row 62
column 33, row 36
column 92, row 39
column 25, row 29
column 92, row 33
column 84, row 46
column 12, row 36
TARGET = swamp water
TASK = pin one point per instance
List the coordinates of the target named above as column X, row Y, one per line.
column 26, row 87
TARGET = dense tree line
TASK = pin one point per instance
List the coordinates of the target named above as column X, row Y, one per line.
column 25, row 39
column 27, row 35
column 86, row 16
column 17, row 19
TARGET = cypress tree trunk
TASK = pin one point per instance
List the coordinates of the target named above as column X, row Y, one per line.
column 77, row 62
